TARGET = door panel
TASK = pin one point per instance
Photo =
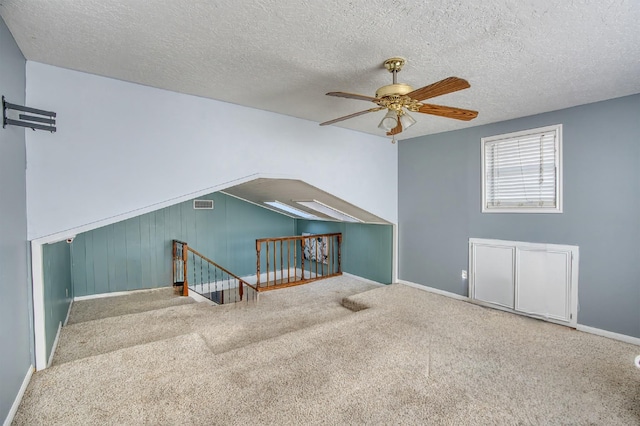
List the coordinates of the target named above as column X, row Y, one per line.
column 542, row 283
column 494, row 275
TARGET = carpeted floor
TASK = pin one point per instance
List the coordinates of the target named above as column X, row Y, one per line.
column 399, row 355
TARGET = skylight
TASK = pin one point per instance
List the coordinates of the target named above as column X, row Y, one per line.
column 329, row 211
column 291, row 210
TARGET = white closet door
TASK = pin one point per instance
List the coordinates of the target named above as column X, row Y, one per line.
column 543, row 283
column 493, row 279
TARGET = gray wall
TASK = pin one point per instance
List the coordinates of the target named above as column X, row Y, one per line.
column 57, row 288
column 16, row 336
column 439, row 207
column 367, row 249
column 136, row 253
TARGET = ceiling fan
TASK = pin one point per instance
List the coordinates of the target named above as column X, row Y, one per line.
column 398, row 98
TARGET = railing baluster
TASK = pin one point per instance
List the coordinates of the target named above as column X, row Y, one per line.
column 323, row 248
column 275, row 265
column 185, row 258
column 230, row 289
column 339, row 254
column 258, row 247
column 295, row 260
column 330, row 256
column 281, row 265
column 302, row 240
column 288, row 261
column 267, row 264
column 174, row 248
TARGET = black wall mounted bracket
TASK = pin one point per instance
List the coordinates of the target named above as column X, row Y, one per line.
column 43, row 120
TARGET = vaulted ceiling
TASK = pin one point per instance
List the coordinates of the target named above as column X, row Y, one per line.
column 520, row 57
column 290, row 192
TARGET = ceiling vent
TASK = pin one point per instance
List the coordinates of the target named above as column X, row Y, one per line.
column 202, row 204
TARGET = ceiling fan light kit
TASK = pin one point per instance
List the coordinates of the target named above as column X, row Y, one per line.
column 406, row 120
column 398, row 98
column 389, row 121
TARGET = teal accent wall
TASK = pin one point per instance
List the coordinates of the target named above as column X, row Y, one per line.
column 58, row 291
column 136, row 253
column 367, row 249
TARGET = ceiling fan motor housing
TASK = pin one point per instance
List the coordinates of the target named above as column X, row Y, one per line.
column 399, row 89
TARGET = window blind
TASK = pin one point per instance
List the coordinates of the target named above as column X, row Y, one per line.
column 522, row 172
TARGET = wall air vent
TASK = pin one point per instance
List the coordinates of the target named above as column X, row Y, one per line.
column 202, row 204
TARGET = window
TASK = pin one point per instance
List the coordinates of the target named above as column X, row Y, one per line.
column 329, row 211
column 291, row 210
column 522, row 172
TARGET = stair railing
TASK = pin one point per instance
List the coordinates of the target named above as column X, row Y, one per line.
column 179, row 263
column 289, row 261
column 196, row 272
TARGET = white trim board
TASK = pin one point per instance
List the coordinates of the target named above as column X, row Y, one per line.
column 586, row 329
column 366, row 280
column 434, row 290
column 116, row 293
column 72, row 232
column 37, row 279
column 609, row 334
column 66, row 320
column 18, row 400
column 55, row 345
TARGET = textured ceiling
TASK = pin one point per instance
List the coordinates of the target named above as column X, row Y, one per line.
column 521, row 57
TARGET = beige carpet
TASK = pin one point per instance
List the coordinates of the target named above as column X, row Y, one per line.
column 298, row 357
column 136, row 301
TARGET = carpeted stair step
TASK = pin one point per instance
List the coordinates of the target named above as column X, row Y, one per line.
column 225, row 327
column 153, row 371
column 188, row 384
column 90, row 338
column 138, row 301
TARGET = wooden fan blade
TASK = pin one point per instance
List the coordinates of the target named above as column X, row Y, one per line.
column 449, row 112
column 395, row 130
column 442, row 87
column 346, row 117
column 352, row 96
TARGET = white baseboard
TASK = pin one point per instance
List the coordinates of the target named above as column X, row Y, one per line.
column 579, row 327
column 16, row 402
column 66, row 320
column 55, row 345
column 609, row 334
column 434, row 290
column 116, row 293
column 366, row 280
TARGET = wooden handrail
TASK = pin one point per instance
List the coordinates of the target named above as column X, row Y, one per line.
column 197, row 253
column 296, row 237
column 279, row 274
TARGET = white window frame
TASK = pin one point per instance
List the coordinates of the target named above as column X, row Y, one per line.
column 558, row 171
